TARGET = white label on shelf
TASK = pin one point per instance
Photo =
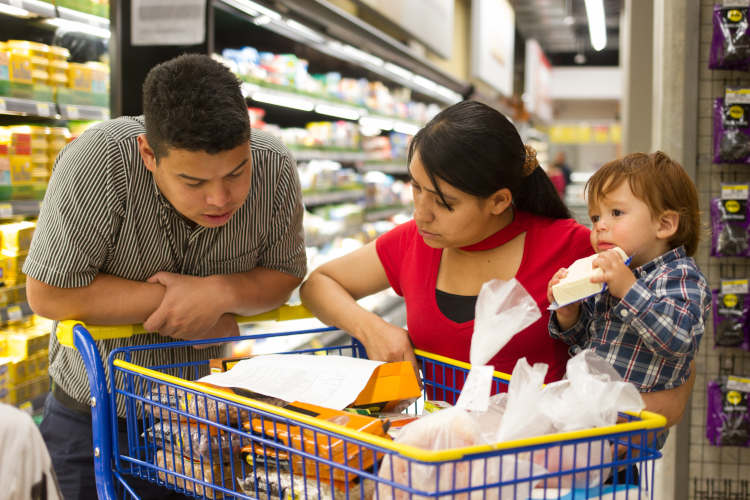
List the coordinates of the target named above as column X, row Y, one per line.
column 42, row 108
column 6, row 210
column 73, row 113
column 736, row 3
column 734, row 286
column 734, row 191
column 738, row 383
column 737, row 95
column 166, row 22
column 15, row 313
column 2, row 106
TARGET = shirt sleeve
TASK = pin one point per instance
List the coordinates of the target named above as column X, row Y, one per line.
column 669, row 316
column 391, row 248
column 285, row 246
column 577, row 336
column 79, row 219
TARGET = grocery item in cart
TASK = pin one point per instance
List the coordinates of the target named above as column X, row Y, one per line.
column 196, row 440
column 303, row 438
column 275, row 483
column 219, row 474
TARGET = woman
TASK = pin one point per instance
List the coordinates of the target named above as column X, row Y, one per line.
column 483, row 209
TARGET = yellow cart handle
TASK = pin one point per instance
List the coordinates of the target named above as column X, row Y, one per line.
column 64, row 330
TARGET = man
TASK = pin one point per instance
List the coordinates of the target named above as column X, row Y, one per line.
column 177, row 219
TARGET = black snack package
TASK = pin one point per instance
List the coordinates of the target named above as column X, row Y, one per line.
column 731, row 308
column 731, row 136
column 730, row 44
column 729, row 228
column 728, row 415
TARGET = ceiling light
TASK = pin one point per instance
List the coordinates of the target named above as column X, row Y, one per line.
column 14, row 11
column 261, row 20
column 337, row 111
column 424, row 82
column 399, row 71
column 252, row 8
column 405, row 128
column 355, row 52
column 597, row 24
column 374, row 122
column 78, row 27
column 286, row 101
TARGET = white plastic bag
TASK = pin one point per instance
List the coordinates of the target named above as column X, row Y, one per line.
column 452, row 428
column 503, row 309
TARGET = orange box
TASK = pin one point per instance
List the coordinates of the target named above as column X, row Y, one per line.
column 390, row 383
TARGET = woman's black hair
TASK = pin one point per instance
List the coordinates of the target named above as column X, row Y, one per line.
column 476, row 149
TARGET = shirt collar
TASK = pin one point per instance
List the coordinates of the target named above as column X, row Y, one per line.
column 663, row 259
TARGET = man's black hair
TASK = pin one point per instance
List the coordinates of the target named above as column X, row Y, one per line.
column 195, row 103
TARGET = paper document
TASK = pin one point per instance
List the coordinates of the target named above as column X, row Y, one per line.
column 329, row 381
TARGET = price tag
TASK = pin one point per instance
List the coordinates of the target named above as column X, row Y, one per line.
column 6, row 210
column 42, row 109
column 735, row 286
column 73, row 113
column 3, row 109
column 15, row 313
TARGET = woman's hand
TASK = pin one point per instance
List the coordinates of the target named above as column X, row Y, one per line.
column 390, row 343
column 567, row 315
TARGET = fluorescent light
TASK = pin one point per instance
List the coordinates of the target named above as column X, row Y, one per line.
column 304, row 30
column 398, row 70
column 355, row 52
column 424, row 82
column 78, row 27
column 261, row 20
column 374, row 122
column 337, row 111
column 14, row 11
column 405, row 128
column 252, row 8
column 454, row 97
column 597, row 25
column 286, row 101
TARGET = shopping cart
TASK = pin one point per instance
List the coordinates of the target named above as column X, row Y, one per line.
column 208, row 442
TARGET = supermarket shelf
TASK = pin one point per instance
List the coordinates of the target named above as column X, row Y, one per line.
column 19, row 208
column 82, row 112
column 329, row 197
column 372, row 215
column 44, row 9
column 289, row 99
column 399, row 168
column 15, row 312
column 324, row 154
column 27, row 107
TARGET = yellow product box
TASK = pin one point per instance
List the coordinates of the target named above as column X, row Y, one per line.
column 58, row 54
column 16, row 236
column 28, row 390
column 26, row 344
column 20, row 169
column 79, row 77
column 9, row 294
column 18, row 370
column 13, row 274
column 4, row 165
column 20, row 68
column 99, row 77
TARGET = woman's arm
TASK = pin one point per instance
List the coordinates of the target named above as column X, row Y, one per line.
column 331, row 292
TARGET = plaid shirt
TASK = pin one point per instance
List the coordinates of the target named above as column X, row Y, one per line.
column 652, row 334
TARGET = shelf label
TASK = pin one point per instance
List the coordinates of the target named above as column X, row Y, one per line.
column 3, row 109
column 6, row 210
column 42, row 108
column 73, row 113
column 15, row 313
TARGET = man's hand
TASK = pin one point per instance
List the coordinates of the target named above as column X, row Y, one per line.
column 567, row 315
column 226, row 327
column 190, row 308
column 615, row 273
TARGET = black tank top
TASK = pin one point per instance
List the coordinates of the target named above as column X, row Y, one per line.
column 458, row 308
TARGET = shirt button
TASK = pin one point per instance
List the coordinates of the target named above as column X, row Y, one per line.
column 623, row 312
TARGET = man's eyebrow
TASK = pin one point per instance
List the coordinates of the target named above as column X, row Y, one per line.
column 198, row 179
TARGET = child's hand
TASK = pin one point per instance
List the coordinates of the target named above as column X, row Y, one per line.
column 567, row 315
column 618, row 277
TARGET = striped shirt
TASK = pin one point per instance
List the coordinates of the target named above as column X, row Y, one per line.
column 104, row 213
column 652, row 334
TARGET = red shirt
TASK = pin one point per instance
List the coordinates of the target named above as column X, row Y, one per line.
column 412, row 269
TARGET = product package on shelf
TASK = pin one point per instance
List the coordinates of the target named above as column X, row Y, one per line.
column 731, row 305
column 731, row 136
column 728, row 418
column 730, row 45
column 730, row 221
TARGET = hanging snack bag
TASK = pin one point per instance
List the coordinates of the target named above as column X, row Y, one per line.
column 730, row 221
column 730, row 45
column 731, row 137
column 731, row 305
column 728, row 418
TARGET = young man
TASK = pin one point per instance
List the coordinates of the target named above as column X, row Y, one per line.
column 178, row 219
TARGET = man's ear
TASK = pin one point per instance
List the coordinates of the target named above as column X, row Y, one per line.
column 669, row 222
column 147, row 154
column 499, row 201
